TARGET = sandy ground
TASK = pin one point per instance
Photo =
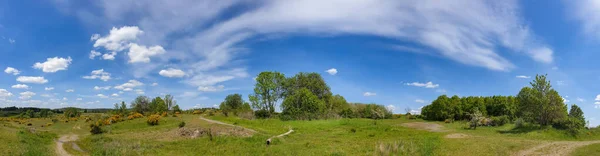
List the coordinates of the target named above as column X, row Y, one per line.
column 457, row 136
column 556, row 148
column 60, row 150
column 432, row 127
column 222, row 123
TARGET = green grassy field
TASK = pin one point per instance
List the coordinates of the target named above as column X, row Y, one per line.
column 317, row 137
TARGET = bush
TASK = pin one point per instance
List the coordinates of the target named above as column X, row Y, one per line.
column 448, row 121
column 153, row 120
column 181, row 124
column 164, row 114
column 347, row 113
column 95, row 129
column 519, row 123
column 571, row 124
column 262, row 114
column 499, row 120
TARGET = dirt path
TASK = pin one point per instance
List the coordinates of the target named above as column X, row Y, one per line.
column 432, row 127
column 556, row 148
column 60, row 150
column 222, row 123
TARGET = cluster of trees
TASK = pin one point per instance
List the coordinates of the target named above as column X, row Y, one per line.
column 538, row 104
column 143, row 105
column 25, row 112
column 234, row 104
column 461, row 108
column 305, row 96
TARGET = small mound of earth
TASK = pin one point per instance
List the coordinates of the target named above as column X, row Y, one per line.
column 432, row 127
column 457, row 136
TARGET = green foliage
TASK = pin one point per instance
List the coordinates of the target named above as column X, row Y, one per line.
column 262, row 114
column 158, row 105
column 302, row 105
column 541, row 104
column 499, row 120
column 311, row 81
column 95, row 129
column 572, row 125
column 267, row 90
column 337, row 104
column 233, row 104
column 141, row 104
column 181, row 124
column 476, row 117
column 71, row 112
column 176, row 108
column 458, row 108
column 576, row 113
column 169, row 101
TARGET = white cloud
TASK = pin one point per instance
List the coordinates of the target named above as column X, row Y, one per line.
column 391, row 107
column 171, row 72
column 128, row 85
column 115, row 95
column 26, row 95
column 99, row 74
column 566, row 100
column 11, row 70
column 369, row 94
column 211, row 88
column 139, row 91
column 586, row 12
column 20, row 86
column 154, row 84
column 65, row 99
column 11, row 41
column 141, row 54
column 597, row 97
column 79, row 99
column 32, row 79
column 101, row 88
column 523, row 77
column 420, row 101
column 118, row 39
column 5, row 93
column 46, row 95
column 101, row 96
column 94, row 53
column 109, row 55
column 580, row 99
column 426, row 85
column 53, row 64
column 49, row 88
column 542, row 54
column 332, row 71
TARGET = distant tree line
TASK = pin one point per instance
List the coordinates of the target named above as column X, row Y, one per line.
column 539, row 104
column 145, row 105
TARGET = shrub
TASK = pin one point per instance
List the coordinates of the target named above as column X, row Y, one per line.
column 54, row 120
column 572, row 124
column 353, row 130
column 95, row 129
column 262, row 114
column 181, row 124
column 153, row 120
column 448, row 121
column 499, row 120
column 519, row 123
column 164, row 114
column 347, row 113
column 197, row 112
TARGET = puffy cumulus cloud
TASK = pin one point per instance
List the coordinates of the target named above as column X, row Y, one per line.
column 142, row 54
column 171, row 72
column 426, row 85
column 391, row 108
column 99, row 74
column 102, row 88
column 49, row 88
column 53, row 64
column 369, row 94
column 69, row 90
column 11, row 70
column 32, row 79
column 420, row 101
column 109, row 56
column 101, row 96
column 332, row 71
column 26, row 95
column 20, row 86
column 211, row 88
column 523, row 77
column 93, row 54
column 5, row 93
column 118, row 39
column 129, row 85
column 597, row 103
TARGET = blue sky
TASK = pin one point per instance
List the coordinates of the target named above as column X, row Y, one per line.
column 396, row 53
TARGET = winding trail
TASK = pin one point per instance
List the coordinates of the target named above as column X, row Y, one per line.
column 555, row 148
column 226, row 124
column 60, row 150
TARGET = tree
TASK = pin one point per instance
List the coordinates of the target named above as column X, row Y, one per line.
column 336, row 104
column 158, row 105
column 267, row 90
column 123, row 108
column 540, row 103
column 576, row 113
column 176, row 109
column 476, row 116
column 141, row 104
column 169, row 101
column 311, row 81
column 303, row 105
column 71, row 112
column 232, row 103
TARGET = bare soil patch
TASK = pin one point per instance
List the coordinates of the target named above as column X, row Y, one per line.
column 60, row 150
column 457, row 136
column 432, row 127
column 555, row 148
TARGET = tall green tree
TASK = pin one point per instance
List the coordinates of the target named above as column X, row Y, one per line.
column 141, row 104
column 169, row 101
column 267, row 90
column 337, row 103
column 540, row 103
column 232, row 104
column 311, row 81
column 303, row 105
column 576, row 113
column 158, row 105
